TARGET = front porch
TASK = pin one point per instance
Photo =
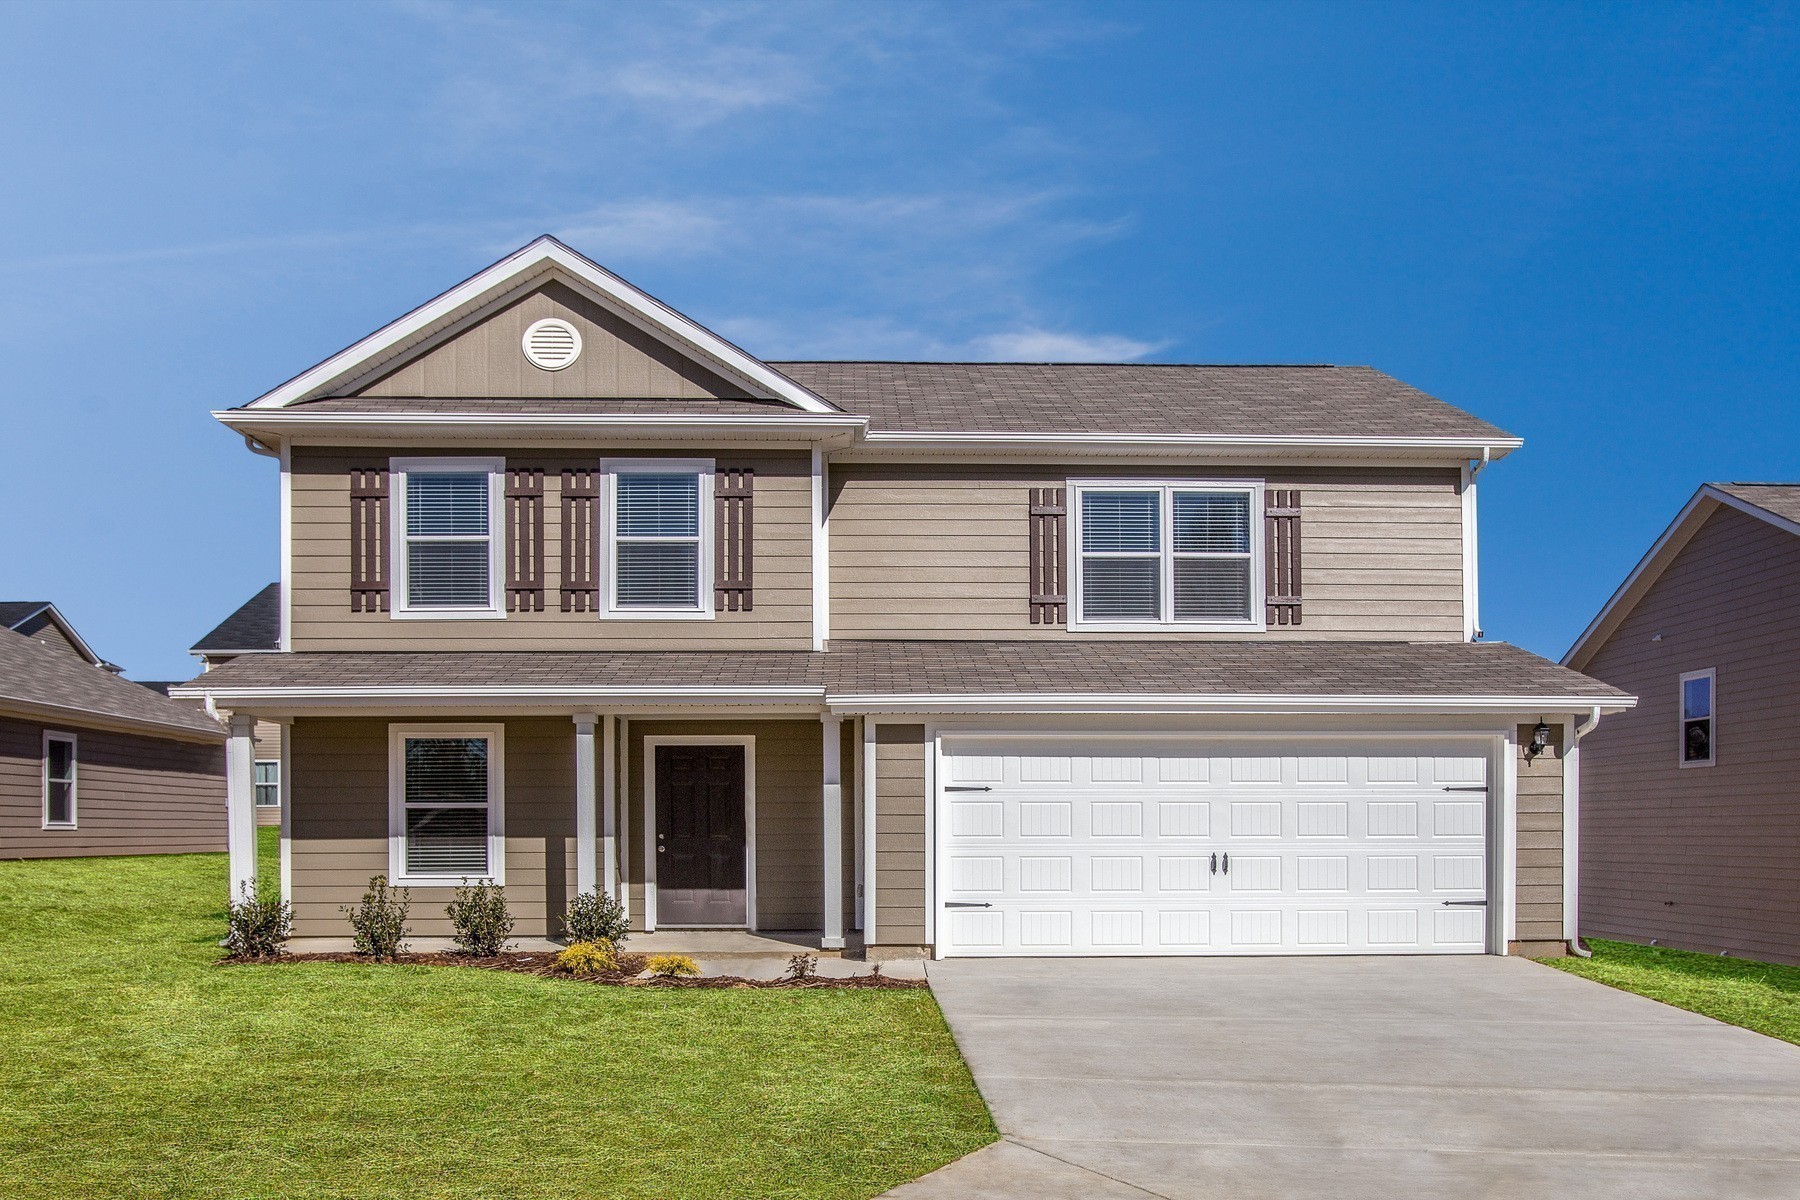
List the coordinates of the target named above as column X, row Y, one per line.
column 721, row 836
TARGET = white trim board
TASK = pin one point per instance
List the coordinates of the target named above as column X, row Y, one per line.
column 496, row 803
column 748, row 742
column 527, row 266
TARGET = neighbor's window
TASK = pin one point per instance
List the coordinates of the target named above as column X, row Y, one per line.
column 59, row 781
column 1166, row 554
column 1697, row 718
column 659, row 527
column 448, row 543
column 447, row 805
column 268, row 783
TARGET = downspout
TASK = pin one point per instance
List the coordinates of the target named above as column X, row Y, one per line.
column 1471, row 546
column 1572, row 832
column 257, row 447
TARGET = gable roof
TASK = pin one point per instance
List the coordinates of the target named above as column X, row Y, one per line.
column 524, row 268
column 50, row 685
column 1776, row 503
column 17, row 613
column 254, row 627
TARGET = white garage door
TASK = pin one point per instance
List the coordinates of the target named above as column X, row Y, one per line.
column 1109, row 846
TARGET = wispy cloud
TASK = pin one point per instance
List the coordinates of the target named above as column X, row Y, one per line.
column 1044, row 345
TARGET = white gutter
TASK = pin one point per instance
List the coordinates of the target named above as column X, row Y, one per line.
column 541, row 694
column 1234, row 703
column 1572, row 831
column 1485, row 448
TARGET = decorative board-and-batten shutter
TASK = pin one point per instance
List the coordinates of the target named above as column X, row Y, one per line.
column 369, row 539
column 733, row 534
column 1281, row 555
column 525, row 539
column 580, row 540
column 1048, row 555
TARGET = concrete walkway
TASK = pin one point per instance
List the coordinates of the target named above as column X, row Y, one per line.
column 1357, row 1079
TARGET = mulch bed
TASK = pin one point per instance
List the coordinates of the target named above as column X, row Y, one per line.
column 631, row 966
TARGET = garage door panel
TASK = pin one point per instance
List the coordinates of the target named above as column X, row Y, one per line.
column 1173, row 847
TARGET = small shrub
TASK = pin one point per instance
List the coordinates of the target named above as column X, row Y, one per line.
column 256, row 926
column 593, row 917
column 803, row 966
column 379, row 922
column 672, row 966
column 585, row 960
column 481, row 919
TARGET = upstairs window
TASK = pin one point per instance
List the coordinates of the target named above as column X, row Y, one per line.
column 268, row 783
column 445, row 805
column 446, row 537
column 1175, row 555
column 1697, row 718
column 59, row 780
column 659, row 532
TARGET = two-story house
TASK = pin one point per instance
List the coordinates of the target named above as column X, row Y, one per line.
column 1016, row 658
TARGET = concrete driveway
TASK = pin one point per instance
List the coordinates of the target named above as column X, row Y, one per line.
column 1353, row 1078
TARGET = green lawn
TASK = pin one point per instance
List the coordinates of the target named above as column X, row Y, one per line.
column 1757, row 995
column 134, row 1067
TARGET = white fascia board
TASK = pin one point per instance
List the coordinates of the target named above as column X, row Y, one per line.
column 1448, row 449
column 1114, row 702
column 1619, row 605
column 498, row 694
column 325, row 428
column 531, row 260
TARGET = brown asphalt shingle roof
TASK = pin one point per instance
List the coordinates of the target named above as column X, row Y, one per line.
column 1782, row 499
column 256, row 625
column 1098, row 398
column 1436, row 669
column 35, row 675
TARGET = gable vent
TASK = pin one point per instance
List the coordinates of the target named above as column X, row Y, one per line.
column 552, row 344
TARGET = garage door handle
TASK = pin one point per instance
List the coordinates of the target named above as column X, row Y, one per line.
column 1227, row 863
column 953, row 787
column 967, row 904
column 1215, row 862
column 1478, row 787
column 1459, row 903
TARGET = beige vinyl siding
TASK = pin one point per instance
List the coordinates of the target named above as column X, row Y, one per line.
column 339, row 823
column 134, row 794
column 617, row 359
column 1702, row 858
column 900, row 835
column 782, row 548
column 789, row 794
column 267, row 740
column 924, row 550
column 1540, row 846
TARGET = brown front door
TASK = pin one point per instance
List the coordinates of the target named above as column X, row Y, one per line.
column 700, row 836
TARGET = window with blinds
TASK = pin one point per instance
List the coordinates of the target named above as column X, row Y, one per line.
column 447, row 807
column 658, row 529
column 268, row 783
column 1165, row 554
column 447, row 544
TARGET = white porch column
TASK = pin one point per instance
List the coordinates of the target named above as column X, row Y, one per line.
column 609, row 806
column 240, row 804
column 833, row 833
column 586, row 869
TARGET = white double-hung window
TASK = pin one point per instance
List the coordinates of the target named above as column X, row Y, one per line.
column 1155, row 555
column 659, row 537
column 1697, row 699
column 59, row 780
column 445, row 804
column 448, row 537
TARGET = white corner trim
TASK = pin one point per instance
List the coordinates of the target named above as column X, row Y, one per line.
column 532, row 260
column 821, row 550
column 285, row 638
column 870, row 784
column 496, row 806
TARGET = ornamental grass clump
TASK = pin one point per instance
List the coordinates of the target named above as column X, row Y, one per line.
column 596, row 918
column 587, row 960
column 379, row 922
column 255, row 925
column 672, row 966
column 480, row 919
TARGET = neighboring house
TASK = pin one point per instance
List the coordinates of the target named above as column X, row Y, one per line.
column 1690, row 831
column 39, row 619
column 255, row 628
column 981, row 658
column 94, row 764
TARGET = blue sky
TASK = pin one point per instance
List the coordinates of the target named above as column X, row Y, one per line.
column 1577, row 222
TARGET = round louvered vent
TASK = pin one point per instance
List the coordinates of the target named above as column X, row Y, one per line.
column 552, row 344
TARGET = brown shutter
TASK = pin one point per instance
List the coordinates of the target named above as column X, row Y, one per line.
column 733, row 529
column 369, row 539
column 1048, row 542
column 1281, row 555
column 580, row 540
column 525, row 539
